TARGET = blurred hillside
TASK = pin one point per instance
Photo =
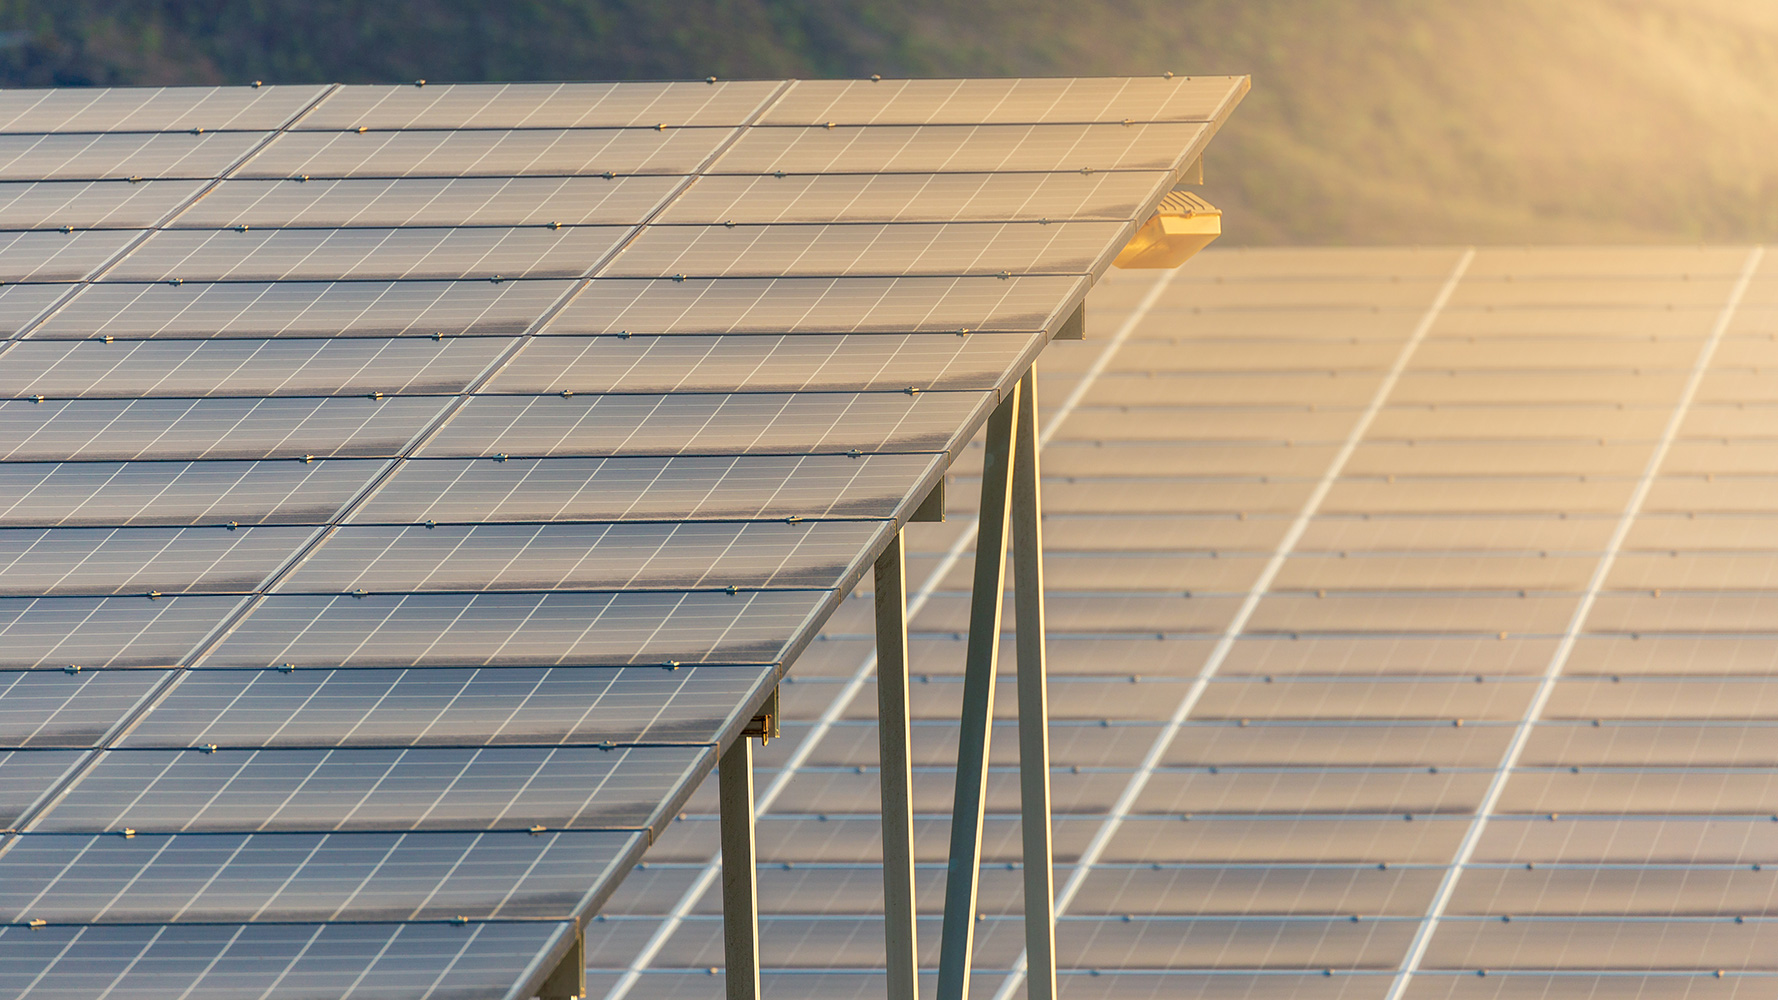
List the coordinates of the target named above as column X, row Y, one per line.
column 1370, row 120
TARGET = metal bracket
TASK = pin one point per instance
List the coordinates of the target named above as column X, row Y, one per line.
column 933, row 507
column 764, row 726
column 1075, row 326
column 1193, row 174
column 568, row 980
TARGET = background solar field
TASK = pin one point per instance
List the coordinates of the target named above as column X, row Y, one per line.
column 1409, row 637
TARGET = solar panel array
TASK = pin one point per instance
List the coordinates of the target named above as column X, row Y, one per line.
column 1408, row 638
column 405, row 491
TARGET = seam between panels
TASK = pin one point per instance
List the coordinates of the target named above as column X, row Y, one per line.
column 867, row 669
column 46, row 801
column 1559, row 659
column 1120, row 810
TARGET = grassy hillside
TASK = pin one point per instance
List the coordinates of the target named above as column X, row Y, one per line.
column 1369, row 121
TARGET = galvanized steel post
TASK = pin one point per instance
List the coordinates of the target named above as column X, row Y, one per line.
column 895, row 771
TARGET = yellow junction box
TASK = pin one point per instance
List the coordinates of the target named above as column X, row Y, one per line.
column 1182, row 225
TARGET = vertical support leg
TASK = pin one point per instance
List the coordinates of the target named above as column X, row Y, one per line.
column 1034, row 736
column 740, row 891
column 978, row 705
column 897, row 775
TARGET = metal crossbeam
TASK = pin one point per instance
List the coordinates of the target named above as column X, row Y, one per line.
column 900, row 938
column 958, row 935
column 740, row 889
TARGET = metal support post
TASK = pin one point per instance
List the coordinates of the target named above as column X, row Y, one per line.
column 740, row 890
column 958, row 936
column 1034, row 711
column 896, row 774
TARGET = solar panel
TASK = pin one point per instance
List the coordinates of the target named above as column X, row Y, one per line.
column 408, row 491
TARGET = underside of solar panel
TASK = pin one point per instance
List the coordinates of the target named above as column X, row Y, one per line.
column 408, row 493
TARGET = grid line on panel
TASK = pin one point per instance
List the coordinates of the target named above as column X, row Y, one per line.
column 1435, row 913
column 831, row 716
column 341, row 514
column 166, row 220
column 1095, row 848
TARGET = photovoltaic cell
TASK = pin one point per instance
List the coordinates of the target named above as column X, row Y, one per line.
column 41, row 708
column 122, row 156
column 541, row 105
column 759, row 363
column 489, row 557
column 988, row 197
column 392, row 790
column 21, row 304
column 314, row 254
column 81, row 632
column 706, row 424
column 482, row 153
column 645, row 489
column 288, row 367
column 275, row 961
column 118, row 561
column 954, row 305
column 302, row 309
column 449, row 706
column 90, row 204
column 450, row 201
column 25, row 775
column 158, row 109
column 973, row 102
column 962, row 149
column 615, row 629
column 108, row 430
column 55, row 256
column 870, row 250
column 262, row 877
column 178, row 493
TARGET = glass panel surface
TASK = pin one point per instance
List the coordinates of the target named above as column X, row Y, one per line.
column 117, row 561
column 960, row 149
column 59, row 632
column 799, row 363
column 864, row 249
column 43, row 708
column 303, row 309
column 20, row 304
column 152, row 109
column 646, row 489
column 152, row 878
column 56, row 256
column 518, row 629
column 122, row 156
column 503, row 788
column 806, row 198
column 97, row 429
column 135, row 368
column 705, row 423
column 817, row 305
column 26, row 774
column 580, row 556
column 308, row 254
column 501, row 201
column 969, row 102
column 486, row 153
column 273, row 961
column 90, row 204
column 541, row 105
column 449, row 706
column 178, row 493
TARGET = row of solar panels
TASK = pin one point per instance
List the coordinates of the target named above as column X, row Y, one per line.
column 414, row 569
